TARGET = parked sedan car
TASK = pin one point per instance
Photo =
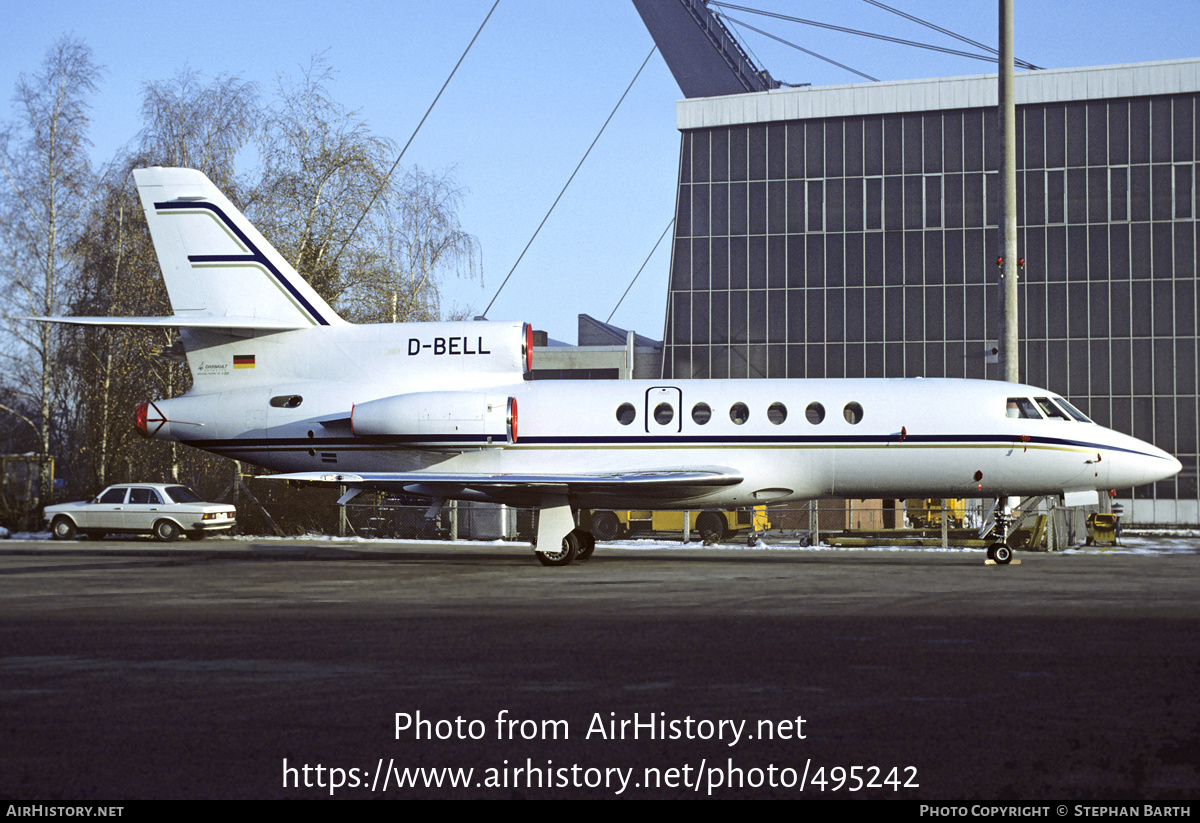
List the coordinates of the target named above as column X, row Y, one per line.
column 163, row 509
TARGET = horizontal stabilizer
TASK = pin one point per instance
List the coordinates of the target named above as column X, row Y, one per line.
column 179, row 321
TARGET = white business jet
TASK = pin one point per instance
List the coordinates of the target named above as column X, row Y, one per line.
column 432, row 408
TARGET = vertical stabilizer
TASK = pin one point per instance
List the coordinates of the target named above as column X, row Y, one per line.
column 215, row 263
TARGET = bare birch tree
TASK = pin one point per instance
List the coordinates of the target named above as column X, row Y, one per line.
column 47, row 181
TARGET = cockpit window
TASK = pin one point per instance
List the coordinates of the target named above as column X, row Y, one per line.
column 1022, row 407
column 1049, row 409
column 1071, row 410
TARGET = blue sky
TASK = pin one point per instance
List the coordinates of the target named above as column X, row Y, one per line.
column 532, row 94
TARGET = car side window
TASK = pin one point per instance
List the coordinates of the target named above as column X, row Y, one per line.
column 142, row 496
column 112, row 496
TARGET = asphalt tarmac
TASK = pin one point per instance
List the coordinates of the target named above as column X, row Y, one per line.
column 289, row 670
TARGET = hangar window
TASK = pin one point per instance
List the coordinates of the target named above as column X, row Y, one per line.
column 739, row 413
column 853, row 413
column 1052, row 411
column 663, row 413
column 701, row 414
column 815, row 413
column 1023, row 408
column 777, row 413
column 626, row 414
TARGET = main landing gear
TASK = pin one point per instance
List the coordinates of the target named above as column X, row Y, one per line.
column 559, row 541
column 577, row 546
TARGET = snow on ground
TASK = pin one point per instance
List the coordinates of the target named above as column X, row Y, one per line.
column 1149, row 541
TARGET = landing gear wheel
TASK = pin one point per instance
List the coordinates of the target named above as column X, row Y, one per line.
column 570, row 547
column 606, row 526
column 1002, row 555
column 63, row 528
column 166, row 531
column 587, row 545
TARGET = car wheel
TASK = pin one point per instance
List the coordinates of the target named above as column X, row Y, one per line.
column 63, row 528
column 166, row 531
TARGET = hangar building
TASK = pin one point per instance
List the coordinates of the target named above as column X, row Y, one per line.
column 850, row 231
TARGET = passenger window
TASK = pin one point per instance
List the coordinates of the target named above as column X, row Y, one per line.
column 626, row 414
column 701, row 414
column 663, row 413
column 777, row 413
column 815, row 413
column 1022, row 408
column 1052, row 411
column 853, row 413
column 139, row 495
column 739, row 413
column 113, row 496
column 1071, row 410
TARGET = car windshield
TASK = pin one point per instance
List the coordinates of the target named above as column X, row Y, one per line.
column 182, row 494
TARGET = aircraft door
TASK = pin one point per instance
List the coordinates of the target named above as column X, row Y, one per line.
column 664, row 410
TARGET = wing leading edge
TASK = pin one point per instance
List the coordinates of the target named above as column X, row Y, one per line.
column 659, row 484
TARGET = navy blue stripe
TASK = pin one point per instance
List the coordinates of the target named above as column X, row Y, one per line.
column 382, row 441
column 255, row 256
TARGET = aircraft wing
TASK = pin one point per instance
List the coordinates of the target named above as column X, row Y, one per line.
column 529, row 488
column 179, row 321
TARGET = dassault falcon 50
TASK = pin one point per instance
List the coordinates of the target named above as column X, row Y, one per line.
column 448, row 410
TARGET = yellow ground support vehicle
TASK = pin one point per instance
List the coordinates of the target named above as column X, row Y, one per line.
column 710, row 524
column 928, row 513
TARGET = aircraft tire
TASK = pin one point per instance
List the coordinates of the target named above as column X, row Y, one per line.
column 587, row 545
column 1002, row 554
column 570, row 547
column 63, row 528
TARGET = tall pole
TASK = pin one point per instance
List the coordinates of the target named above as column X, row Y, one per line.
column 1008, row 196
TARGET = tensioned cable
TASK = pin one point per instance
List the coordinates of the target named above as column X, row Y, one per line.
column 639, row 271
column 572, row 177
column 947, row 32
column 414, row 134
column 799, row 48
column 861, row 33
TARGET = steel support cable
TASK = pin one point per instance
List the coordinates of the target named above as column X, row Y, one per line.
column 859, row 32
column 947, row 32
column 801, row 48
column 572, row 177
column 639, row 271
column 411, row 137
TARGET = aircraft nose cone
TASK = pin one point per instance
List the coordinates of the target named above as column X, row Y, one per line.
column 1148, row 464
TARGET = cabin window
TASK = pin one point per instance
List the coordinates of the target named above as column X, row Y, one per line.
column 1052, row 411
column 1071, row 410
column 739, row 413
column 1022, row 408
column 701, row 414
column 663, row 413
column 815, row 413
column 853, row 413
column 777, row 413
column 626, row 414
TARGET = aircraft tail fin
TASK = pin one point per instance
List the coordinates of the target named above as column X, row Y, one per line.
column 215, row 263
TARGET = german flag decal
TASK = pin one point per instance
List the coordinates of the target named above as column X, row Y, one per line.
column 243, row 361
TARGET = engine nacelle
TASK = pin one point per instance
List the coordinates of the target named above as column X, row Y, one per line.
column 456, row 415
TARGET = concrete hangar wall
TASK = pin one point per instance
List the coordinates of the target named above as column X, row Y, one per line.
column 850, row 231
